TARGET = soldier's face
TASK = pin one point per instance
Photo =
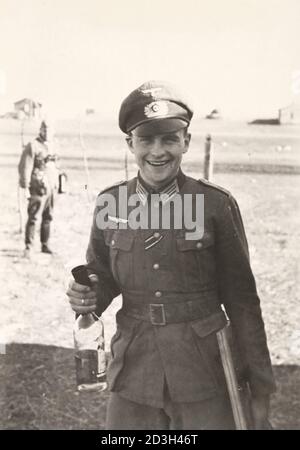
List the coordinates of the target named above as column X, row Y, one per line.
column 159, row 156
column 46, row 132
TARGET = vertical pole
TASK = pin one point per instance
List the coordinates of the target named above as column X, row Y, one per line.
column 126, row 164
column 208, row 158
column 239, row 414
column 234, row 391
column 20, row 197
column 20, row 207
column 85, row 161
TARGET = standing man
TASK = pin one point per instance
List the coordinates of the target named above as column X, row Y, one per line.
column 38, row 175
column 166, row 370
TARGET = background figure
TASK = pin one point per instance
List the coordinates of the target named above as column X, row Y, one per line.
column 38, row 175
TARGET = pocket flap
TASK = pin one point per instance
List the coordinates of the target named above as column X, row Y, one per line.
column 211, row 324
column 121, row 240
column 184, row 245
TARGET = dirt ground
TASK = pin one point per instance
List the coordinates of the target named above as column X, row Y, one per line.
column 37, row 375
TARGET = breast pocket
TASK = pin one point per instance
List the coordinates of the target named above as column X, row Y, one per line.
column 120, row 243
column 197, row 261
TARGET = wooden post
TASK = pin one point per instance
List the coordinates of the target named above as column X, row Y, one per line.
column 85, row 161
column 126, row 164
column 20, row 192
column 21, row 201
column 208, row 158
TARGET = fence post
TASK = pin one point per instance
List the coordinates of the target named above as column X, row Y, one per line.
column 208, row 158
column 126, row 164
column 85, row 161
column 21, row 196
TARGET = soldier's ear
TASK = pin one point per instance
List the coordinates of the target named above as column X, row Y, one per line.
column 187, row 139
column 129, row 143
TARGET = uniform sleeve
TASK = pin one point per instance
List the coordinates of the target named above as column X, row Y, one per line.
column 98, row 262
column 238, row 293
column 26, row 166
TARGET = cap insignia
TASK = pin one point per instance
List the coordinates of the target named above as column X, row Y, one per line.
column 156, row 109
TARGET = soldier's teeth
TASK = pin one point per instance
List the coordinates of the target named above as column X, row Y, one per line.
column 157, row 163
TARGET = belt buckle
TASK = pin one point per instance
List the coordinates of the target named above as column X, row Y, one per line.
column 153, row 309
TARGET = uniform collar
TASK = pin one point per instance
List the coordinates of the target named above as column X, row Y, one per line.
column 166, row 192
column 40, row 140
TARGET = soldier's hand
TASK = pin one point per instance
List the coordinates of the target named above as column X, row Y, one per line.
column 26, row 193
column 260, row 411
column 82, row 298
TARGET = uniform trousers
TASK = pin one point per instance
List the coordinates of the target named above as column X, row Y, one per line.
column 210, row 414
column 40, row 209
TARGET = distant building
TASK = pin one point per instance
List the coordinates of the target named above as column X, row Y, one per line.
column 270, row 121
column 214, row 114
column 9, row 115
column 290, row 114
column 28, row 108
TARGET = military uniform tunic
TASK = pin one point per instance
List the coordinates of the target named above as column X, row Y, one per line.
column 38, row 172
column 172, row 290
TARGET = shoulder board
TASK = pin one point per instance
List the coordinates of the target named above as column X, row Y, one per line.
column 119, row 183
column 214, row 186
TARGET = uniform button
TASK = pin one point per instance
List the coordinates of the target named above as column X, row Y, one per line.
column 158, row 294
column 156, row 234
column 199, row 245
column 155, row 266
column 113, row 242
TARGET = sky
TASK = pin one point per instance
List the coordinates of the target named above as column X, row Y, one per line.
column 240, row 56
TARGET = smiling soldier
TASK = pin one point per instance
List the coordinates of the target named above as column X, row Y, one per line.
column 166, row 370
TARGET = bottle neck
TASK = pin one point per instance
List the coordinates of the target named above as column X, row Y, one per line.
column 86, row 320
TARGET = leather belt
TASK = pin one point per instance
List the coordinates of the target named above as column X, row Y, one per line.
column 165, row 313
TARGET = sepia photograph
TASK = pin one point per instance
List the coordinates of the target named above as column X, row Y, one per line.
column 149, row 188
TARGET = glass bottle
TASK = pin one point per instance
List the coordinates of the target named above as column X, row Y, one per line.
column 88, row 332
